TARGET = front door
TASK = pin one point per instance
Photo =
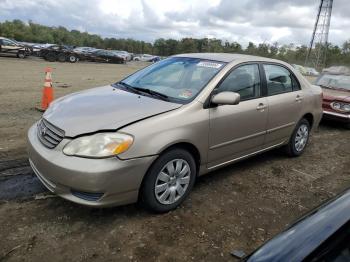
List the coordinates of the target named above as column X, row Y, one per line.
column 238, row 130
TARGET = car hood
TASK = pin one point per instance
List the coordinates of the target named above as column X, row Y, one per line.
column 103, row 108
column 331, row 94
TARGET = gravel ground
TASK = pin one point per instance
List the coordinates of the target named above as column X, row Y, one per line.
column 238, row 207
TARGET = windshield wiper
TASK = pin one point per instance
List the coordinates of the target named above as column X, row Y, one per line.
column 143, row 91
column 129, row 87
column 152, row 93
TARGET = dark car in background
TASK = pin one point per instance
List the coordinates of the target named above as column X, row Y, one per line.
column 335, row 82
column 106, row 56
column 321, row 235
column 61, row 53
column 9, row 47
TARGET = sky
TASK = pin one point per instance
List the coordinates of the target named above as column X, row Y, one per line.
column 282, row 21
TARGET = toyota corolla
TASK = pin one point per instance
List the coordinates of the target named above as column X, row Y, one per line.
column 149, row 136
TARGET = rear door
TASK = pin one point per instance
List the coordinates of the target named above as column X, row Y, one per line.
column 238, row 130
column 284, row 98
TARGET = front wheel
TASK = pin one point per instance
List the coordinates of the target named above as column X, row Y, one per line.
column 51, row 57
column 21, row 55
column 299, row 138
column 61, row 58
column 169, row 181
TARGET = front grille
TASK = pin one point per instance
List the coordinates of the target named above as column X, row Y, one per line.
column 87, row 195
column 48, row 134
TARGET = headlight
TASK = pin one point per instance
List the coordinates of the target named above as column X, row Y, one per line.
column 99, row 145
column 342, row 107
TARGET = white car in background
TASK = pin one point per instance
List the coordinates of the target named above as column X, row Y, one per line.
column 300, row 68
column 146, row 58
column 306, row 71
column 310, row 71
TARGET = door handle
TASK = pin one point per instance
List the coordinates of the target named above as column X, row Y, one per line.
column 298, row 98
column 261, row 107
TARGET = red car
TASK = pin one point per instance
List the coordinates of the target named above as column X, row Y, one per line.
column 335, row 82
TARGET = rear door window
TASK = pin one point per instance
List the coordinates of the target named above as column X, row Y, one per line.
column 279, row 80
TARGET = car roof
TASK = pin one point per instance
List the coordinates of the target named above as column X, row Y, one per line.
column 227, row 57
column 337, row 70
column 1, row 37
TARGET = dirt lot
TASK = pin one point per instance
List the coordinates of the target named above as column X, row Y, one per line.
column 21, row 86
column 238, row 207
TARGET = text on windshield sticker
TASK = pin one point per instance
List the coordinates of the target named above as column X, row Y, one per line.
column 209, row 64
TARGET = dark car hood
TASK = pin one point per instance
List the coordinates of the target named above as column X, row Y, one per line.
column 103, row 108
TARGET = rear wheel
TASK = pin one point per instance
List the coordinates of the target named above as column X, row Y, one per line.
column 169, row 181
column 72, row 58
column 299, row 138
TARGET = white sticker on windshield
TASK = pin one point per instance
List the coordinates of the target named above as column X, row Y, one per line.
column 209, row 64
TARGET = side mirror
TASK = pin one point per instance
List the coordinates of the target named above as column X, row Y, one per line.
column 226, row 98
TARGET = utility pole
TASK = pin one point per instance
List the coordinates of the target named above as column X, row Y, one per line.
column 316, row 54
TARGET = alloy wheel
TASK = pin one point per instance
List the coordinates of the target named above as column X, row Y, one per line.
column 301, row 137
column 172, row 181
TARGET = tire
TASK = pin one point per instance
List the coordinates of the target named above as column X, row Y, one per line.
column 301, row 133
column 72, row 58
column 51, row 57
column 62, row 58
column 173, row 190
column 21, row 55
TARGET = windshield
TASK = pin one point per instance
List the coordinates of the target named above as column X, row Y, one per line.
column 179, row 79
column 334, row 81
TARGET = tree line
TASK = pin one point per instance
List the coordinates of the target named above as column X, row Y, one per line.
column 36, row 33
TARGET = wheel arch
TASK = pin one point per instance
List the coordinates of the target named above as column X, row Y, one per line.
column 191, row 148
column 310, row 118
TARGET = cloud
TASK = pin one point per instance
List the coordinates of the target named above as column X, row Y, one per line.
column 284, row 21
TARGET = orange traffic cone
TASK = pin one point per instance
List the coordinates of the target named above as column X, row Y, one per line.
column 47, row 90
